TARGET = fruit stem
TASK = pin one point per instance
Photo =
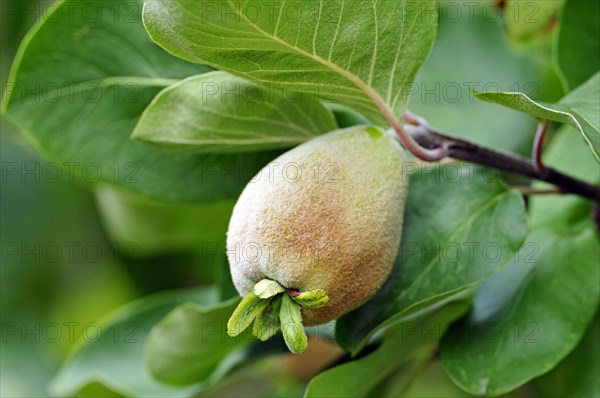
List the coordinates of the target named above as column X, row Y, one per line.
column 538, row 145
column 430, row 154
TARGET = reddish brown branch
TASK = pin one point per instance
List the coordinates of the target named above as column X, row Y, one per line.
column 460, row 149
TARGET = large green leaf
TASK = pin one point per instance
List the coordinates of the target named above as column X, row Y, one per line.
column 459, row 229
column 412, row 341
column 529, row 316
column 218, row 112
column 191, row 341
column 577, row 375
column 79, row 84
column 577, row 48
column 360, row 53
column 581, row 109
column 115, row 356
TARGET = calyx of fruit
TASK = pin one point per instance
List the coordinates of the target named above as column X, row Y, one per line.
column 271, row 307
column 315, row 233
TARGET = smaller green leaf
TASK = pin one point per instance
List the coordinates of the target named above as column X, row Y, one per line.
column 521, row 102
column 188, row 345
column 291, row 325
column 248, row 309
column 220, row 113
column 529, row 316
column 266, row 323
column 267, row 288
column 115, row 360
column 313, row 299
column 579, row 108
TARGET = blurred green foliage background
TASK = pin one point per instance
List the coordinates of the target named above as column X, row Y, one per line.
column 72, row 253
column 49, row 292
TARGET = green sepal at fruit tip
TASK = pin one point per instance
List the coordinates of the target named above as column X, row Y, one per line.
column 312, row 299
column 267, row 288
column 290, row 318
column 271, row 311
column 247, row 310
column 266, row 324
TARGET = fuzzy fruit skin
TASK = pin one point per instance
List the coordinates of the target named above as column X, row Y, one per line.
column 324, row 215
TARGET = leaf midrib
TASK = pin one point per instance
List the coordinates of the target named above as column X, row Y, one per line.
column 361, row 85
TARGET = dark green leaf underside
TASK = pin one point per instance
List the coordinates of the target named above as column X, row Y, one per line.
column 529, row 316
column 445, row 249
